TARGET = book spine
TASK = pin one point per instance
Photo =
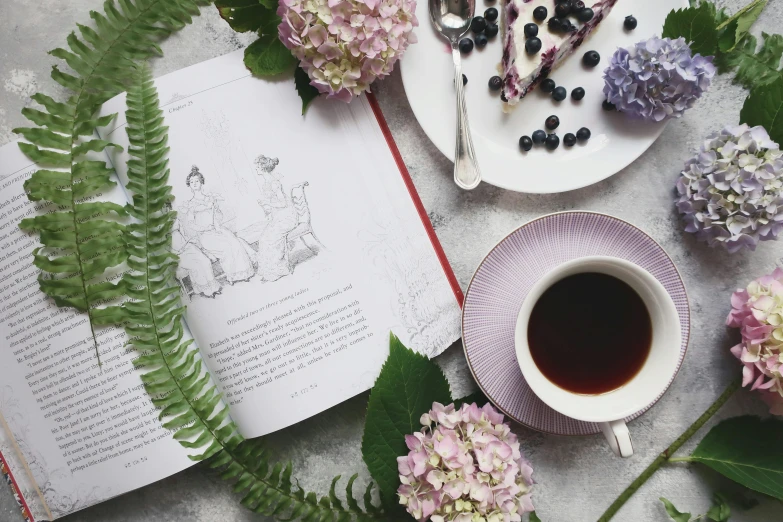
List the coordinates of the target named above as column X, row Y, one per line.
column 444, row 262
column 5, row 470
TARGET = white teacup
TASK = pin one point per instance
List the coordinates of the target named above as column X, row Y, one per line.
column 610, row 408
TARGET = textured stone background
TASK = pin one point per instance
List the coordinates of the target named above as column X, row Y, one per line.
column 578, row 477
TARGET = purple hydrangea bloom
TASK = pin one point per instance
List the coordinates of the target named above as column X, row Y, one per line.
column 657, row 79
column 731, row 191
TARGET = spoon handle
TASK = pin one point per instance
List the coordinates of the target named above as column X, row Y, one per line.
column 467, row 174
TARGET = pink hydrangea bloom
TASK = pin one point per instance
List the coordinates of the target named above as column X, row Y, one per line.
column 758, row 312
column 344, row 45
column 464, row 465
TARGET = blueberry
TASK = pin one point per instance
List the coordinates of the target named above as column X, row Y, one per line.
column 465, row 45
column 495, row 83
column 591, row 58
column 583, row 134
column 540, row 13
column 578, row 93
column 555, row 25
column 608, row 106
column 585, row 15
column 559, row 94
column 630, row 23
column 577, row 5
column 539, row 137
column 478, row 24
column 562, row 9
column 531, row 30
column 481, row 40
column 491, row 14
column 552, row 142
column 525, row 143
column 552, row 122
column 567, row 26
column 491, row 31
column 533, row 45
column 548, row 85
column 464, row 80
column 569, row 140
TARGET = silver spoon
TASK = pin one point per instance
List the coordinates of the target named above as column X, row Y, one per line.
column 451, row 19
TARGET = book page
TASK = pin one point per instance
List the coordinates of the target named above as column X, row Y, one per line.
column 300, row 246
column 73, row 434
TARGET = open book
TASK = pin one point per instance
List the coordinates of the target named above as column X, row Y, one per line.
column 302, row 243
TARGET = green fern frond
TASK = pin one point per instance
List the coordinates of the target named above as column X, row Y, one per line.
column 754, row 68
column 79, row 243
column 174, row 376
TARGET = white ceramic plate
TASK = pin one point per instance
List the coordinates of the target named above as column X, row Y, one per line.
column 427, row 73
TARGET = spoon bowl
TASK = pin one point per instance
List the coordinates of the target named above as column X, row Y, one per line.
column 452, row 18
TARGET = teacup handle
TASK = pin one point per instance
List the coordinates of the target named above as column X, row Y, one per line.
column 618, row 436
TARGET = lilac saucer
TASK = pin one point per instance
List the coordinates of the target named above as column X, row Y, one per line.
column 507, row 273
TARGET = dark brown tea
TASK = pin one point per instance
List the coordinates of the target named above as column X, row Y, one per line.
column 590, row 333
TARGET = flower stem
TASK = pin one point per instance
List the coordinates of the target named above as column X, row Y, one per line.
column 665, row 456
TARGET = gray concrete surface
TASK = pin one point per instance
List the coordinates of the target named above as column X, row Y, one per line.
column 578, row 477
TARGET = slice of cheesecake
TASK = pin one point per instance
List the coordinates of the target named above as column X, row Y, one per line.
column 523, row 71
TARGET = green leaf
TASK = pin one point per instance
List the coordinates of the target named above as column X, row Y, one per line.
column 737, row 27
column 673, row 513
column 720, row 510
column 267, row 56
column 406, row 388
column 764, row 106
column 306, row 91
column 754, row 69
column 697, row 25
column 533, row 517
column 747, row 450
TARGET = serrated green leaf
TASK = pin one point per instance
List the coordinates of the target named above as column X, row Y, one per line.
column 757, row 465
column 405, row 389
column 267, row 56
column 306, row 91
column 674, row 513
column 720, row 510
column 697, row 25
column 764, row 106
